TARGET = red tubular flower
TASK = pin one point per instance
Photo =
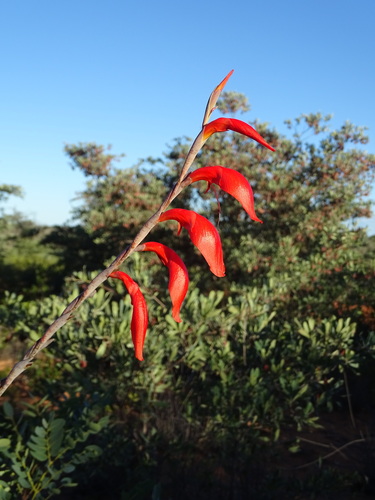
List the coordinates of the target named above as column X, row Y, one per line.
column 140, row 317
column 224, row 124
column 228, row 180
column 178, row 274
column 202, row 233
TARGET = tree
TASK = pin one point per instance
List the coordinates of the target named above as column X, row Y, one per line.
column 9, row 189
column 309, row 194
column 115, row 202
column 29, row 265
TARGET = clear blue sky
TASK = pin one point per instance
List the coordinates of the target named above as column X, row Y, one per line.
column 138, row 74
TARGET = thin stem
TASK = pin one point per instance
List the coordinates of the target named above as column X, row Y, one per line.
column 349, row 398
column 334, row 452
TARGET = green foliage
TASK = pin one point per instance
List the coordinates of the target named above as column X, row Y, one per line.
column 27, row 264
column 42, row 450
column 90, row 158
column 9, row 189
column 116, row 202
column 309, row 193
column 75, row 249
column 232, row 102
column 227, row 382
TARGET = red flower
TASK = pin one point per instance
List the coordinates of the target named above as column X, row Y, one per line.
column 224, row 124
column 178, row 274
column 228, row 180
column 202, row 233
column 139, row 318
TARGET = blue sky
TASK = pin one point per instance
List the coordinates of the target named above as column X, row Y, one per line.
column 138, row 74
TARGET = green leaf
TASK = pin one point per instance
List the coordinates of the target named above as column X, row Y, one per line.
column 101, row 350
column 5, row 443
column 8, row 409
column 40, row 432
column 294, row 448
column 39, row 454
column 21, row 475
column 339, row 325
column 56, row 435
column 304, row 332
column 24, row 482
column 301, row 392
column 68, row 468
column 67, row 482
column 57, row 425
column 254, row 376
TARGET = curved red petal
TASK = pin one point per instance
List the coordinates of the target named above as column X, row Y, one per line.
column 139, row 321
column 230, row 181
column 224, row 124
column 178, row 274
column 203, row 234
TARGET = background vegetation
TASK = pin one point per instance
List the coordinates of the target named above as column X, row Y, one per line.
column 238, row 400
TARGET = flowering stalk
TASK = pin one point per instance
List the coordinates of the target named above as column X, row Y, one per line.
column 202, row 233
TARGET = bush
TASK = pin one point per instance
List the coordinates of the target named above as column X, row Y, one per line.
column 42, row 450
column 225, row 383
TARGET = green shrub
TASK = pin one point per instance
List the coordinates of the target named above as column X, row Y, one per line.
column 227, row 381
column 42, row 450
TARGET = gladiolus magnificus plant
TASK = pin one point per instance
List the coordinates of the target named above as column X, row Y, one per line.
column 202, row 233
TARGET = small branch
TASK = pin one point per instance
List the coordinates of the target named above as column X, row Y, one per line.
column 316, row 443
column 336, row 450
column 348, row 395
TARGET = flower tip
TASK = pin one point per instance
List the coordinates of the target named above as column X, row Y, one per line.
column 222, row 84
column 219, row 272
column 227, row 77
column 176, row 316
column 255, row 218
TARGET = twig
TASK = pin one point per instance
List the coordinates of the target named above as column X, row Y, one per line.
column 348, row 395
column 336, row 450
column 316, row 443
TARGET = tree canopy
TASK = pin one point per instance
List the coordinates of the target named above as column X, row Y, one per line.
column 309, row 194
